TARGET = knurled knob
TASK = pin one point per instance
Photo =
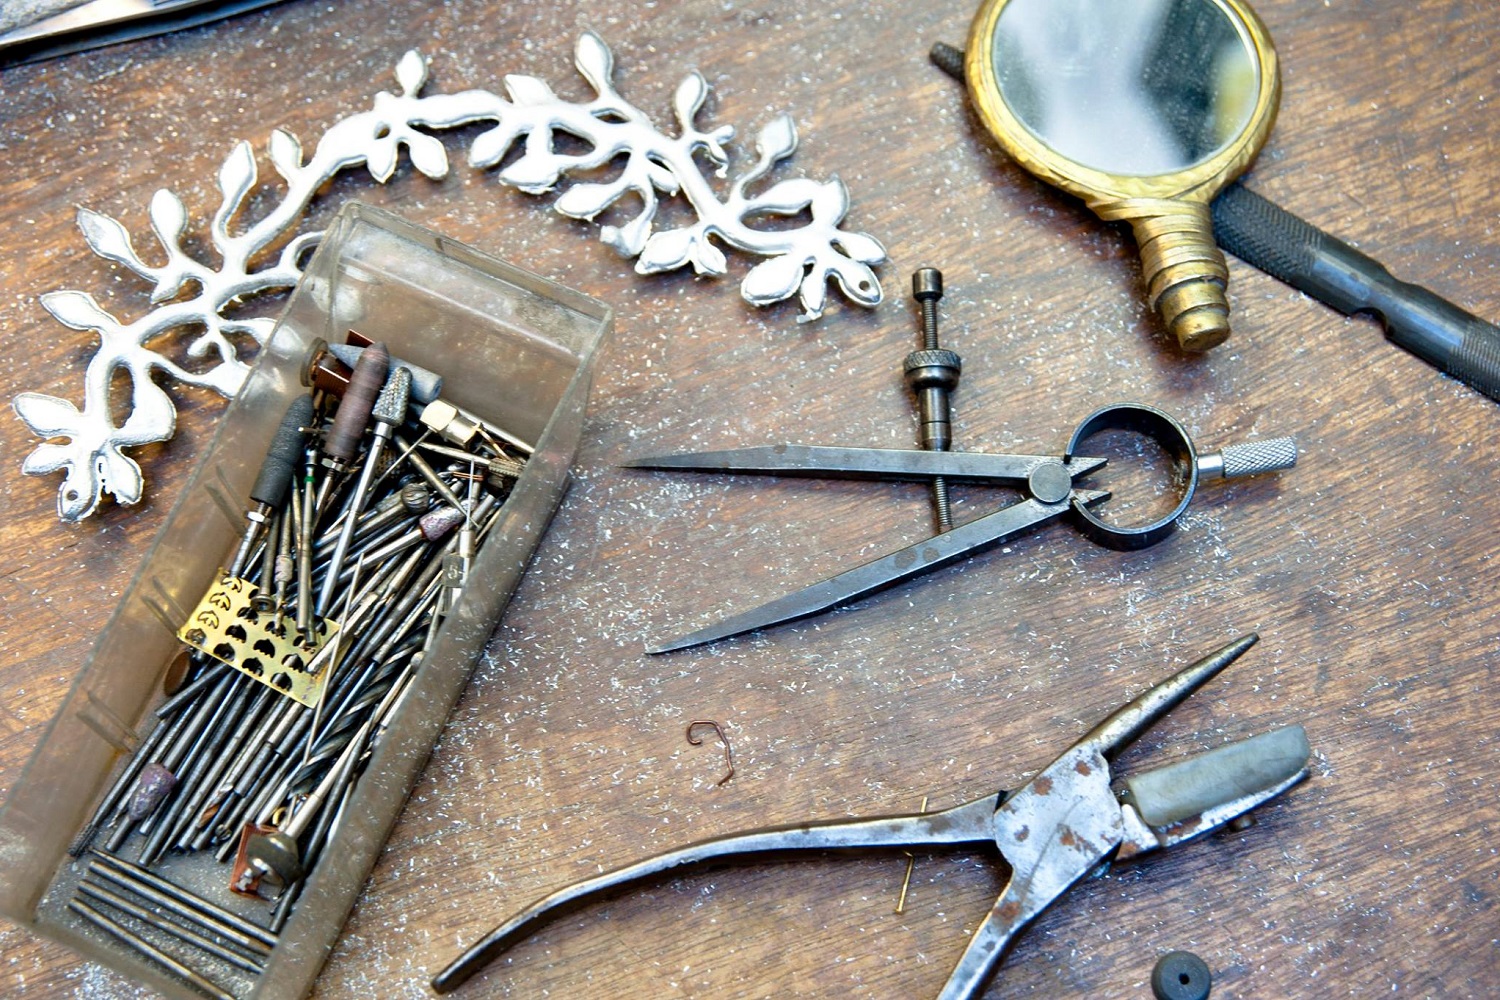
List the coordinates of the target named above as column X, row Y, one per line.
column 1250, row 458
column 933, row 370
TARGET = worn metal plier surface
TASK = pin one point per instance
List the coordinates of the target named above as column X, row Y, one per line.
column 1063, row 824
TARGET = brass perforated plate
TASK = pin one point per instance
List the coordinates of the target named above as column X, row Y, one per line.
column 229, row 625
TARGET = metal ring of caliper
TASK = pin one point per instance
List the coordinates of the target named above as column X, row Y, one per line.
column 1172, row 437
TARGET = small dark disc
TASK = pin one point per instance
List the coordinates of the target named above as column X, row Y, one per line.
column 1181, row 975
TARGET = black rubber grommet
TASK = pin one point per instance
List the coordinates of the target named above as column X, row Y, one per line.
column 1165, row 431
column 1181, row 975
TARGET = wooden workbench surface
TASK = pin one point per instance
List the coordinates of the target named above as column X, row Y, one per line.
column 1367, row 569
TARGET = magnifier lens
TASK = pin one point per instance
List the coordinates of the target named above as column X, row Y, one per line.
column 1137, row 88
column 1144, row 108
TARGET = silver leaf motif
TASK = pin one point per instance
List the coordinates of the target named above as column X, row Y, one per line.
column 529, row 90
column 427, row 155
column 789, row 197
column 629, row 239
column 78, row 310
column 286, row 153
column 831, row 201
column 109, row 239
column 411, row 73
column 813, row 291
column 584, row 201
column 50, row 416
column 194, row 301
column 778, row 139
column 861, row 247
column 236, row 178
column 666, row 251
column 490, row 147
column 688, row 101
column 595, row 62
column 707, row 258
column 775, row 279
column 168, row 218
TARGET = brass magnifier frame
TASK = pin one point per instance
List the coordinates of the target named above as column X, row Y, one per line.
column 1183, row 268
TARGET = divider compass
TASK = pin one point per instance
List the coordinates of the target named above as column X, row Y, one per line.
column 1046, row 482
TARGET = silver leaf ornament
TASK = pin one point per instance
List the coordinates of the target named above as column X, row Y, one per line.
column 194, row 301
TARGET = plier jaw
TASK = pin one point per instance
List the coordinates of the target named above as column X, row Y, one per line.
column 1067, row 821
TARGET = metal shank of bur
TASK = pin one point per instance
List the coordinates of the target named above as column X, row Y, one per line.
column 387, row 413
column 276, row 474
column 304, row 502
column 146, row 948
column 277, row 853
column 182, row 903
column 427, row 472
column 254, row 966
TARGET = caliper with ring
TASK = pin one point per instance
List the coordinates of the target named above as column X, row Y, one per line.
column 1046, row 482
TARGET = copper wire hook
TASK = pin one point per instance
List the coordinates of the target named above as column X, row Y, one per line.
column 697, row 741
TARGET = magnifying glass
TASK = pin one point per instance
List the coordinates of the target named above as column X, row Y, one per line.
column 1143, row 108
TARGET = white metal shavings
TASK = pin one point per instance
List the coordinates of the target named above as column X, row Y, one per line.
column 89, row 447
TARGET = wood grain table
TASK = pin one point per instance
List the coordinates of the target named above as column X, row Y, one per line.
column 1368, row 569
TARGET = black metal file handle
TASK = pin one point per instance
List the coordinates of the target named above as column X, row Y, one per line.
column 1450, row 339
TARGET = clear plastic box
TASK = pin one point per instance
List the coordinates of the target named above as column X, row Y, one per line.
column 514, row 348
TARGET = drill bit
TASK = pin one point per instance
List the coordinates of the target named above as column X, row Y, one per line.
column 388, row 412
column 276, row 472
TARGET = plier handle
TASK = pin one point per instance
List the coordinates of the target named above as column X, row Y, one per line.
column 1063, row 824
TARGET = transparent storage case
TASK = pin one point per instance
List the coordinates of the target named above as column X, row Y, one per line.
column 515, row 349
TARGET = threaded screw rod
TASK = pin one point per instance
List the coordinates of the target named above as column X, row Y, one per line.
column 932, row 373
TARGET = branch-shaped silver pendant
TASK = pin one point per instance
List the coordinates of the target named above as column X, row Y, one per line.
column 189, row 295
